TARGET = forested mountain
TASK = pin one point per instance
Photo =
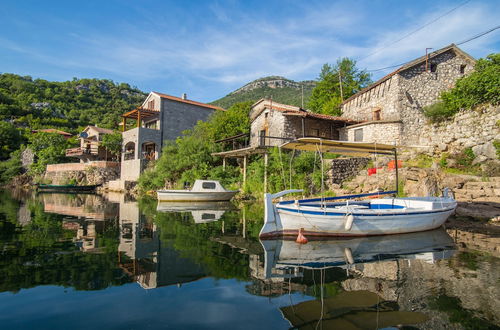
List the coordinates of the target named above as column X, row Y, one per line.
column 38, row 103
column 279, row 88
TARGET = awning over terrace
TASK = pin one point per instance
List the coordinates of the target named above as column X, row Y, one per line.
column 359, row 149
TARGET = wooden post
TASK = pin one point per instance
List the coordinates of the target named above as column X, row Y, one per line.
column 124, row 122
column 265, row 172
column 139, row 118
column 340, row 83
column 244, row 222
column 303, row 127
column 397, row 175
column 244, row 170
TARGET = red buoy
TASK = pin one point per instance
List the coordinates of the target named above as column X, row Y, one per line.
column 301, row 239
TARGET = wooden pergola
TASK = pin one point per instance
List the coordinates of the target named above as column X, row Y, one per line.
column 139, row 114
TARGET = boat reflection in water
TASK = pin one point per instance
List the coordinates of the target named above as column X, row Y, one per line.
column 287, row 254
column 356, row 309
column 202, row 212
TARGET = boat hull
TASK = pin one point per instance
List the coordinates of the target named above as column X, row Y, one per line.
column 319, row 225
column 190, row 196
column 380, row 217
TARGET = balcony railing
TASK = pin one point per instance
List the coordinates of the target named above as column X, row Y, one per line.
column 129, row 155
column 242, row 141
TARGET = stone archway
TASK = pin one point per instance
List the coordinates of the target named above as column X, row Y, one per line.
column 129, row 151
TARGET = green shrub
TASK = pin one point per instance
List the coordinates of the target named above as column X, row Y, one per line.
column 496, row 144
column 465, row 158
column 438, row 112
column 443, row 161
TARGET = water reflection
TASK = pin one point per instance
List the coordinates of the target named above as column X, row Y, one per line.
column 92, row 242
column 200, row 211
column 286, row 256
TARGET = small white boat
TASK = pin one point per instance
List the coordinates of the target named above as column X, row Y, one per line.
column 324, row 217
column 203, row 190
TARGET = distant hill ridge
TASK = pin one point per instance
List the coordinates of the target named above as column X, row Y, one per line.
column 281, row 89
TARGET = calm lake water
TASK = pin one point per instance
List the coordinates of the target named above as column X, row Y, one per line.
column 75, row 261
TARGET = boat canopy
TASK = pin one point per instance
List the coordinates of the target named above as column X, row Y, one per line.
column 361, row 149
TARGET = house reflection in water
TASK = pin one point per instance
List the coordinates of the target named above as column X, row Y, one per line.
column 89, row 215
column 142, row 255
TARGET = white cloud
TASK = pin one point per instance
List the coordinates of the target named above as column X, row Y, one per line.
column 231, row 47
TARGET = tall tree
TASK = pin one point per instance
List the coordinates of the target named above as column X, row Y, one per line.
column 10, row 139
column 336, row 83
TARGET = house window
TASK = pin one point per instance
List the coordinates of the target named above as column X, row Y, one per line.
column 208, row 185
column 314, row 132
column 358, row 135
column 262, row 137
column 151, row 124
column 434, row 67
column 151, row 104
column 208, row 216
column 462, row 68
column 376, row 114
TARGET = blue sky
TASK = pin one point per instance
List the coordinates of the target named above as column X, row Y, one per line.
column 209, row 48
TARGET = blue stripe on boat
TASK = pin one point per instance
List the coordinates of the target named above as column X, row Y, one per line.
column 341, row 197
column 358, row 214
column 371, row 206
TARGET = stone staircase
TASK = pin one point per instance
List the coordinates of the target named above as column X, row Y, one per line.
column 479, row 191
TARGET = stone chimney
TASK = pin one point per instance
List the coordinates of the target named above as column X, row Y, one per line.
column 184, row 96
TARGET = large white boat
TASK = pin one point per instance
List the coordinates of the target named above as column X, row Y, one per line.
column 328, row 217
column 202, row 191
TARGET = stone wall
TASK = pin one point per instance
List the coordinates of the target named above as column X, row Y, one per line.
column 387, row 132
column 420, row 88
column 467, row 129
column 273, row 122
column 341, row 169
column 90, row 175
column 384, row 96
column 132, row 169
column 177, row 117
column 81, row 166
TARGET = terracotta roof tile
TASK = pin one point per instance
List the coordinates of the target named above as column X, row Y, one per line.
column 179, row 99
column 305, row 114
column 101, row 129
column 52, row 130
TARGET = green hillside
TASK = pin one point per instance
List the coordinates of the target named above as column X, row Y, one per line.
column 38, row 103
column 280, row 89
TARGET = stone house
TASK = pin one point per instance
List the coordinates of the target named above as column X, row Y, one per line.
column 90, row 148
column 161, row 117
column 273, row 123
column 391, row 109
